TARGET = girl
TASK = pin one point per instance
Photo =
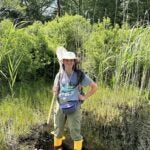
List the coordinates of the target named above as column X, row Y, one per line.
column 67, row 87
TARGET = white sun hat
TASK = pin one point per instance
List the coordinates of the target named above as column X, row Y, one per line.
column 69, row 55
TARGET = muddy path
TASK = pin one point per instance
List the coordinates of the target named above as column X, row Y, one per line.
column 130, row 133
column 43, row 141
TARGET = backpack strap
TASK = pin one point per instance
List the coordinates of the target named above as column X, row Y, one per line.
column 58, row 83
column 80, row 76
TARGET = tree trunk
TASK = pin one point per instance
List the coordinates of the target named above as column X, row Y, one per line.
column 58, row 6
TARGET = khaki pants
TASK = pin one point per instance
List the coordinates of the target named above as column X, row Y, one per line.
column 73, row 121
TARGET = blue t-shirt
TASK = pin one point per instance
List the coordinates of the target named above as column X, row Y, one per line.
column 68, row 90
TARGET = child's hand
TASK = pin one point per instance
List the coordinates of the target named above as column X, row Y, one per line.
column 82, row 97
column 55, row 90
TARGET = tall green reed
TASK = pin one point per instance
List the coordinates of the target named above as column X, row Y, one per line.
column 3, row 46
column 119, row 56
column 13, row 65
column 132, row 63
column 28, row 107
column 10, row 55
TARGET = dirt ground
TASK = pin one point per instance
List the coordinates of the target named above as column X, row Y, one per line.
column 42, row 141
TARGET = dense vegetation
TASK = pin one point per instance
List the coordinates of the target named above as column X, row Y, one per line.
column 117, row 58
column 135, row 12
column 114, row 56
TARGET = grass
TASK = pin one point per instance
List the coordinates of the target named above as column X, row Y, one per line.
column 29, row 107
column 113, row 118
column 31, row 102
column 106, row 102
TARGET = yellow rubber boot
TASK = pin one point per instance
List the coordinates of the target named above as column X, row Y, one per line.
column 78, row 145
column 57, row 142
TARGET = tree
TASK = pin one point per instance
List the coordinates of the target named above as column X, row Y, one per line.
column 136, row 11
column 37, row 9
column 119, row 11
column 30, row 9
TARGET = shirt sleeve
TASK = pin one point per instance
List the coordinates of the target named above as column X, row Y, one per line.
column 86, row 81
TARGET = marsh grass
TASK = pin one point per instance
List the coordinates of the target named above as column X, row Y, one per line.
column 107, row 104
column 29, row 107
column 119, row 56
column 113, row 118
column 102, row 112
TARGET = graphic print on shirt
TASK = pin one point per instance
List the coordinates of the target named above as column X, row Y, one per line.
column 68, row 90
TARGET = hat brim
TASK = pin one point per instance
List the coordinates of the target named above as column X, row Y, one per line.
column 69, row 58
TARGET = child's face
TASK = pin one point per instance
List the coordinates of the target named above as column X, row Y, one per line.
column 69, row 63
